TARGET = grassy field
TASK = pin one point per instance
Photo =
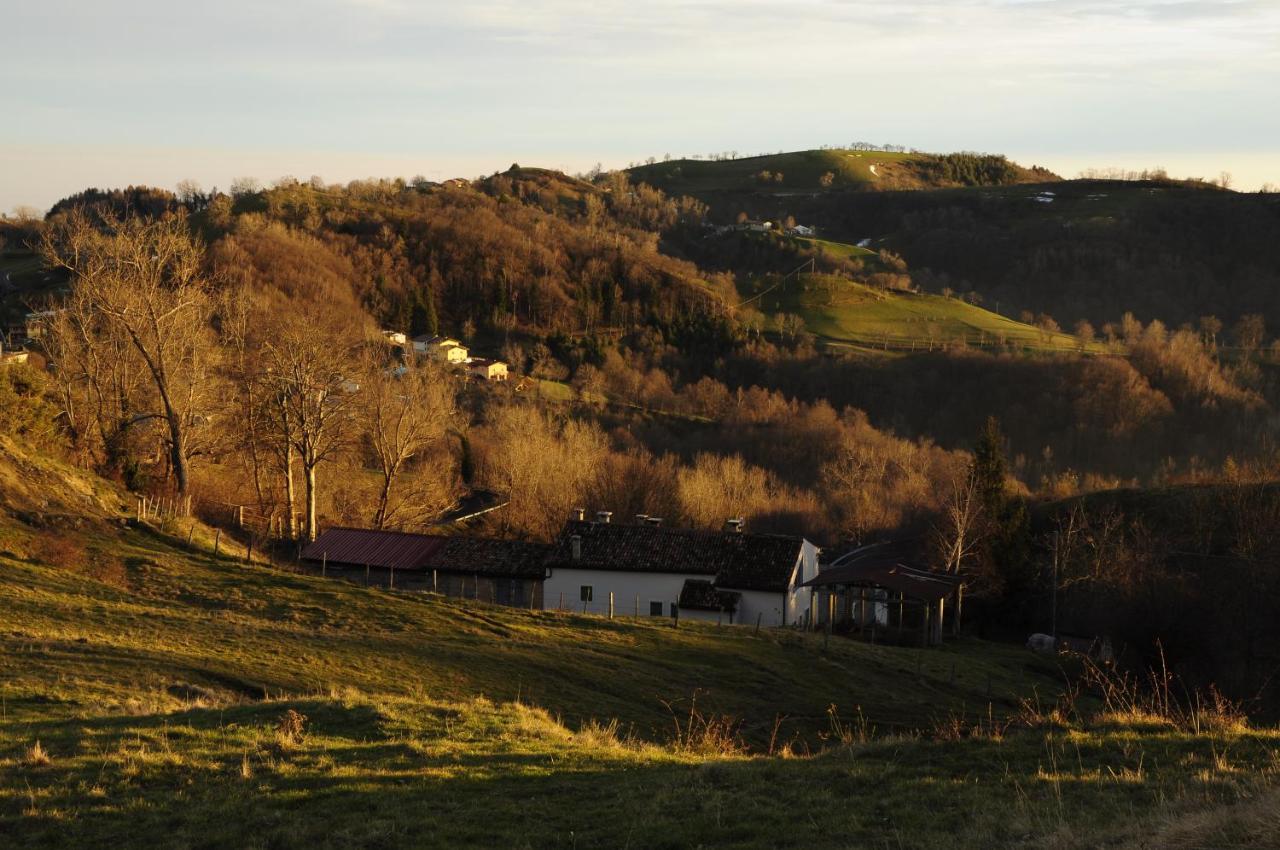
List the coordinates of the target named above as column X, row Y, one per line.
column 153, row 696
column 843, row 312
column 836, row 249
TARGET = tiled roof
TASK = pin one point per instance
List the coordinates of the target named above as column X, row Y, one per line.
column 889, row 566
column 393, row 549
column 482, row 556
column 739, row 561
column 701, row 595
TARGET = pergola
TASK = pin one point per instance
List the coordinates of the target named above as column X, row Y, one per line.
column 875, row 588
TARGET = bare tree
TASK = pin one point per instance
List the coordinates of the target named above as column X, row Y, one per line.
column 311, row 370
column 145, row 278
column 959, row 533
column 406, row 412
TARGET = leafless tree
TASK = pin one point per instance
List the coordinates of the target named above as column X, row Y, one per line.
column 144, row 278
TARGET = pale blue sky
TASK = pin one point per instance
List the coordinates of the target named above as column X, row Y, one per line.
column 137, row 91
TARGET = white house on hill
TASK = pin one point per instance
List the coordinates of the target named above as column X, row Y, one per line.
column 442, row 348
column 653, row 570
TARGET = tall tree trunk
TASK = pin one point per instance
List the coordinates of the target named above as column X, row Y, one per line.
column 289, row 497
column 310, row 475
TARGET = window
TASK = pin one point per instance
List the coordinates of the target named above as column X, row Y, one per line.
column 655, row 609
column 585, row 593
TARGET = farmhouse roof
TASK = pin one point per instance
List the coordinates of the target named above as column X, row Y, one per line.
column 885, row 565
column 702, row 595
column 404, row 551
column 736, row 560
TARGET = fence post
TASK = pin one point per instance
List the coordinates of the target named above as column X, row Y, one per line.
column 324, row 564
column 637, row 606
column 239, row 516
column 391, row 579
column 675, row 617
column 611, row 605
column 248, row 555
column 561, row 606
column 191, row 533
column 366, row 575
column 435, row 582
column 759, row 615
column 139, row 509
column 217, row 539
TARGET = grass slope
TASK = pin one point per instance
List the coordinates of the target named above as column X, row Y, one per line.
column 801, row 170
column 844, row 312
column 150, row 697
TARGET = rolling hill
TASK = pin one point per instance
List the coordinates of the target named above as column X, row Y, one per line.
column 152, row 695
column 828, row 170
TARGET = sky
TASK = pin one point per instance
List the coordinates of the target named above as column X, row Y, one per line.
column 118, row 92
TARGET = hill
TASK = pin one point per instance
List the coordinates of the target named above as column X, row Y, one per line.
column 181, row 700
column 821, row 171
column 846, row 312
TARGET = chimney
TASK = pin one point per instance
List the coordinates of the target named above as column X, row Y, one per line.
column 575, row 547
column 734, row 525
column 603, row 516
column 641, row 519
column 654, row 521
column 579, row 514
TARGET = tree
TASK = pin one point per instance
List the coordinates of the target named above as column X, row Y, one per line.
column 960, row 532
column 311, row 369
column 990, row 467
column 1249, row 332
column 145, row 279
column 405, row 414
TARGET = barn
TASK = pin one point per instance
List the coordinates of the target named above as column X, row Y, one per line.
column 644, row 568
column 882, row 592
column 505, row 572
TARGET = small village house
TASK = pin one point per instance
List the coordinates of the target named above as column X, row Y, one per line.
column 504, row 572
column 489, row 370
column 649, row 569
column 395, row 338
column 442, row 348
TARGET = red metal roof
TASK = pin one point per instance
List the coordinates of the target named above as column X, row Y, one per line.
column 365, row 547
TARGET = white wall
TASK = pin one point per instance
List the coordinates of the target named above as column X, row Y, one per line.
column 626, row 587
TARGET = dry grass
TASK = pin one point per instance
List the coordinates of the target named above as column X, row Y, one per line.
column 37, row 756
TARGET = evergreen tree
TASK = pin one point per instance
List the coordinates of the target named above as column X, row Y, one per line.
column 990, row 467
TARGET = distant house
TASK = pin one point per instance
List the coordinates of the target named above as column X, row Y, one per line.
column 395, row 338
column 504, row 572
column 759, row 226
column 489, row 370
column 652, row 570
column 801, row 230
column 442, row 348
column 13, row 357
column 34, row 324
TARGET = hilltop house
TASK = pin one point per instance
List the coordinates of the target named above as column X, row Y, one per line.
column 395, row 338
column 505, row 572
column 648, row 569
column 489, row 370
column 442, row 348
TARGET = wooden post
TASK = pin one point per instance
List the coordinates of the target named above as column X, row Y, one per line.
column 611, row 605
column 324, row 564
column 675, row 617
column 217, row 540
column 759, row 615
column 560, row 607
column 366, row 575
column 955, row 616
column 435, row 581
column 248, row 554
column 239, row 516
column 637, row 606
column 862, row 610
column 140, row 508
column 191, row 533
column 391, row 579
column 584, row 606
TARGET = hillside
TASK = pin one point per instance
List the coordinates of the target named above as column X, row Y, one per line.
column 844, row 312
column 177, row 700
column 819, row 171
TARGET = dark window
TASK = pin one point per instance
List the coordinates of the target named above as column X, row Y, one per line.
column 655, row 609
column 585, row 593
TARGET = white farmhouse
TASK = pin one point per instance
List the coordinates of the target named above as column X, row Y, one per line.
column 442, row 348
column 653, row 570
